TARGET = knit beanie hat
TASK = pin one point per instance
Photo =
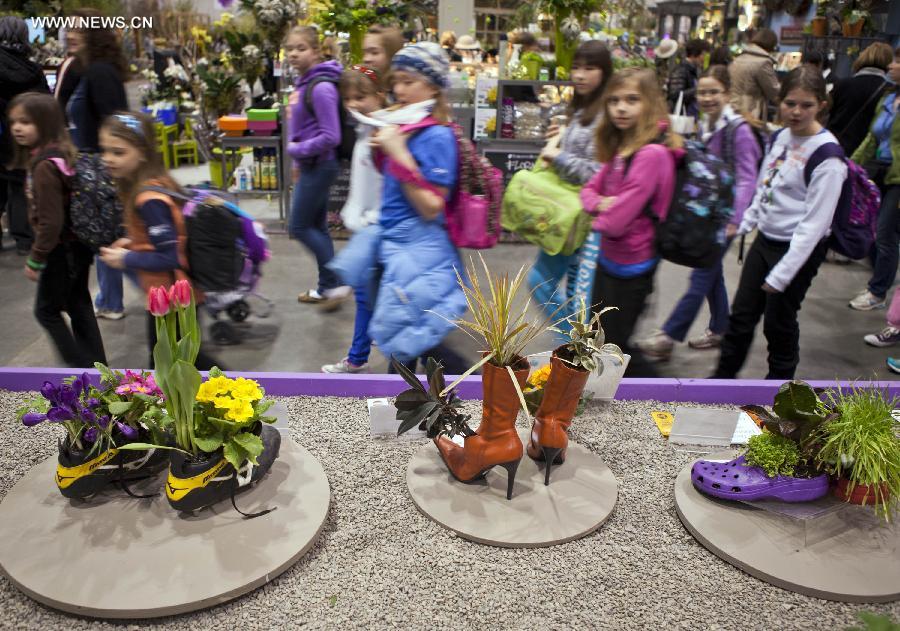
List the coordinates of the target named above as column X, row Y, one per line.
column 427, row 59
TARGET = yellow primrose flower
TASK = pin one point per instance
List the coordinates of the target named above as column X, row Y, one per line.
column 224, row 403
column 539, row 377
column 207, row 391
column 246, row 389
column 240, row 411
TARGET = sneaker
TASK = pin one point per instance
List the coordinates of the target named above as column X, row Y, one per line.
column 888, row 337
column 657, row 346
column 893, row 364
column 310, row 297
column 706, row 341
column 344, row 366
column 195, row 483
column 334, row 298
column 867, row 301
column 109, row 315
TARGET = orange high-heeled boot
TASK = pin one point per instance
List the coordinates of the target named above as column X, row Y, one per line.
column 496, row 441
column 549, row 437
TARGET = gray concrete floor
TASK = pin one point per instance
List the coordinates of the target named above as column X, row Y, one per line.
column 301, row 338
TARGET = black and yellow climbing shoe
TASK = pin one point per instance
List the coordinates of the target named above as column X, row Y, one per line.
column 195, row 483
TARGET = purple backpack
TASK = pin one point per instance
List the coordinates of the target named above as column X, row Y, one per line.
column 856, row 214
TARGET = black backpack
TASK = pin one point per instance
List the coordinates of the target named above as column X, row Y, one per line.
column 693, row 233
column 348, row 130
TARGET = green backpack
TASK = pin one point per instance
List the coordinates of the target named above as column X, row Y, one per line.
column 545, row 210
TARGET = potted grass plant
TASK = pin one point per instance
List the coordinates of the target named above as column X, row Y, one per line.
column 100, row 419
column 861, row 447
column 223, row 440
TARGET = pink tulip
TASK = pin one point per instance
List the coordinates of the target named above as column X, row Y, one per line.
column 158, row 301
column 181, row 294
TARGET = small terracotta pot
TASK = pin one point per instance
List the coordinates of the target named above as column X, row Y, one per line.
column 852, row 30
column 819, row 26
column 862, row 494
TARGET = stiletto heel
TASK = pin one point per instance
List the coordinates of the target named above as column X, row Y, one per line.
column 511, row 468
column 550, row 454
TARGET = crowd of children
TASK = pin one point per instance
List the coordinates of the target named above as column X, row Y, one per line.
column 616, row 143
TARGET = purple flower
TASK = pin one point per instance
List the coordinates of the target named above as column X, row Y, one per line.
column 33, row 418
column 67, row 397
column 225, row 3
column 93, row 402
column 103, row 421
column 90, row 434
column 57, row 414
column 127, row 431
column 49, row 391
column 88, row 417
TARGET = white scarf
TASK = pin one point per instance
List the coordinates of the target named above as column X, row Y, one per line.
column 727, row 115
column 406, row 115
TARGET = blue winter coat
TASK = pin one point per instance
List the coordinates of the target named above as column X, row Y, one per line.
column 418, row 281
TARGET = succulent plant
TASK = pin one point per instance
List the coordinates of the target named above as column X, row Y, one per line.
column 587, row 341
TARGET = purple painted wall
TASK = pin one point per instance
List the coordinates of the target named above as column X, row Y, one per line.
column 739, row 392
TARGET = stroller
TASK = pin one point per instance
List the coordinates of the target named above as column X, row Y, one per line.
column 225, row 250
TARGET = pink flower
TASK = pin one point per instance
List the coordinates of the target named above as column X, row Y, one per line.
column 181, row 294
column 158, row 301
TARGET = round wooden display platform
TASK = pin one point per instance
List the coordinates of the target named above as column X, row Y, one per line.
column 580, row 498
column 118, row 557
column 857, row 559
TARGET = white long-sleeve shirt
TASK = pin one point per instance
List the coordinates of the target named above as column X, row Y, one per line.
column 786, row 209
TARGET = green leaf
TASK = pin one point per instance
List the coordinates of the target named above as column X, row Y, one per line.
column 435, row 372
column 117, row 408
column 250, row 443
column 235, row 454
column 208, row 443
column 796, row 400
column 106, row 374
column 263, row 406
column 215, row 371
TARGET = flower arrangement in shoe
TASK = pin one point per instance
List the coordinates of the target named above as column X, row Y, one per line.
column 100, row 422
column 223, row 441
column 781, row 463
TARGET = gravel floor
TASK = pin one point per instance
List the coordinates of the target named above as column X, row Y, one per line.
column 381, row 564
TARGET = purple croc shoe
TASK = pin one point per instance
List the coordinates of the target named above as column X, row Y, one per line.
column 736, row 480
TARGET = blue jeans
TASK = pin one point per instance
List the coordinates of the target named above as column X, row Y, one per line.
column 362, row 343
column 544, row 278
column 887, row 238
column 706, row 284
column 309, row 217
column 110, row 295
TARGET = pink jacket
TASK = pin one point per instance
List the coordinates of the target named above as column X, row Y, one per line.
column 628, row 233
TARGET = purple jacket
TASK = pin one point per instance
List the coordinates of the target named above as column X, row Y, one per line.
column 316, row 135
column 747, row 154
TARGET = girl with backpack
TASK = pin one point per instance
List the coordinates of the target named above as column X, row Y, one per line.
column 637, row 178
column 154, row 248
column 57, row 261
column 573, row 160
column 793, row 217
column 362, row 92
column 729, row 136
column 315, row 135
column 408, row 254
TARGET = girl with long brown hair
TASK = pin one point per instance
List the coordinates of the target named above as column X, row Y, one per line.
column 154, row 249
column 57, row 262
column 637, row 180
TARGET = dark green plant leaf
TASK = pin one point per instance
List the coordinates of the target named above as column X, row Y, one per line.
column 436, row 383
column 415, row 418
column 796, row 400
column 408, row 376
column 411, row 399
column 117, row 408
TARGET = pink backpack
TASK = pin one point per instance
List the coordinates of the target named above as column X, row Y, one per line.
column 473, row 211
